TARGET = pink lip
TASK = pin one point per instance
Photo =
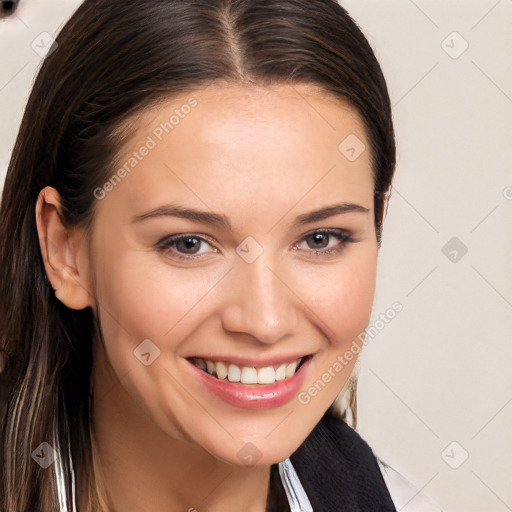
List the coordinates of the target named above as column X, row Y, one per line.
column 253, row 396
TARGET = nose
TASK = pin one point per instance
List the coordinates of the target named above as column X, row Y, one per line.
column 260, row 301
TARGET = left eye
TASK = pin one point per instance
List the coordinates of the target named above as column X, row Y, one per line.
column 189, row 246
column 319, row 241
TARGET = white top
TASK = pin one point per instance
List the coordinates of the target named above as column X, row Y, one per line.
column 406, row 497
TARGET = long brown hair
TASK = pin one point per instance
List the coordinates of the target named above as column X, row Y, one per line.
column 111, row 60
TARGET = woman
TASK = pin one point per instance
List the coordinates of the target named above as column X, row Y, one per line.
column 187, row 285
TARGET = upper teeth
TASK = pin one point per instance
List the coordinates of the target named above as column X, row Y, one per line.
column 248, row 374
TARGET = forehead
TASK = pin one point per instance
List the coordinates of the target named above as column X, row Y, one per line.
column 258, row 145
column 220, row 114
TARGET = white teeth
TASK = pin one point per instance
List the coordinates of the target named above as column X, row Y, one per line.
column 281, row 372
column 210, row 366
column 234, row 373
column 290, row 369
column 266, row 375
column 248, row 374
column 221, row 370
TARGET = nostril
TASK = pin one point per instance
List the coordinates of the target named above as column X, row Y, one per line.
column 7, row 7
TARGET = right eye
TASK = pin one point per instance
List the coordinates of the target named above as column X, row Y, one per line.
column 183, row 246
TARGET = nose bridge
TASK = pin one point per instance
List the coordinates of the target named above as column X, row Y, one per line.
column 260, row 303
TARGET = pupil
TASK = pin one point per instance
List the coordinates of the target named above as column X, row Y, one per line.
column 319, row 238
column 189, row 242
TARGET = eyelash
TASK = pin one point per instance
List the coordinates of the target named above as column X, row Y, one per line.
column 343, row 236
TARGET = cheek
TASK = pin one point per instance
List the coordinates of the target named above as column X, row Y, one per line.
column 341, row 300
column 142, row 297
column 341, row 295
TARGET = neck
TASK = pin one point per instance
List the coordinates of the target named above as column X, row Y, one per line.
column 138, row 466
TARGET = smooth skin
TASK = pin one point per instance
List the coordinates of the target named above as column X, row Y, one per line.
column 262, row 157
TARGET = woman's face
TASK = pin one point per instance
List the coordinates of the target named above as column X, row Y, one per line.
column 256, row 278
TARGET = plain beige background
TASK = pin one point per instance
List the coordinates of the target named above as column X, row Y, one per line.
column 435, row 388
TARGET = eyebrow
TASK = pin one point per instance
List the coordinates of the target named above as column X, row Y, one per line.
column 220, row 220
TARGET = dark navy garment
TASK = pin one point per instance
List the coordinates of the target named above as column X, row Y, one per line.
column 337, row 469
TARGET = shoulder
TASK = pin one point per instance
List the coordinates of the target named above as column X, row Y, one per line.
column 406, row 496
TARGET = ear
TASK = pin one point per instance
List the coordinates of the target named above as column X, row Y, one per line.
column 64, row 252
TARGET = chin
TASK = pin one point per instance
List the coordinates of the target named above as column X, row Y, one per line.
column 262, row 449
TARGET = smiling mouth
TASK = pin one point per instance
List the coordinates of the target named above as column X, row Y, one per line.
column 233, row 373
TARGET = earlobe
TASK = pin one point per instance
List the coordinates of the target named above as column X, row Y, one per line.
column 60, row 250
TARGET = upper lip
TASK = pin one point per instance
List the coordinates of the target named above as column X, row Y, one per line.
column 250, row 362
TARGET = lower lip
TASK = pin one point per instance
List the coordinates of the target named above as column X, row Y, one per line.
column 263, row 396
